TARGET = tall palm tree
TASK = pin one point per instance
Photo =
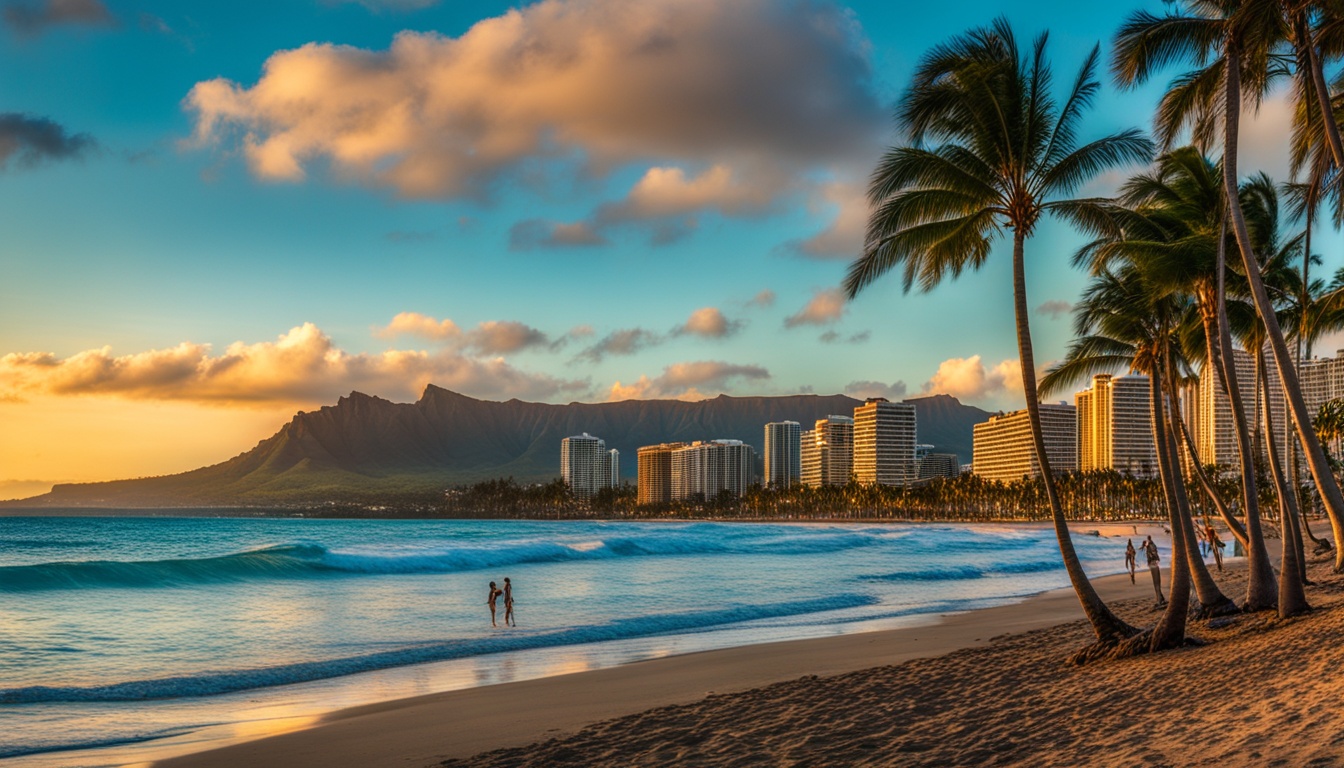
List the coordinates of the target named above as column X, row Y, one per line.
column 1226, row 41
column 1004, row 153
column 1127, row 320
column 1172, row 224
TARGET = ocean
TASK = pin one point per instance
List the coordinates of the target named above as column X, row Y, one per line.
column 127, row 637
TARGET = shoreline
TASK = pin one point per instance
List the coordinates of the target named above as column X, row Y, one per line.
column 457, row 724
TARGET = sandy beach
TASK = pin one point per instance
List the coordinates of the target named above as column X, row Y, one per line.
column 989, row 686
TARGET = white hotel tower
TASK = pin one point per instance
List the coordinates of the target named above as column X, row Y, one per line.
column 783, row 463
column 587, row 466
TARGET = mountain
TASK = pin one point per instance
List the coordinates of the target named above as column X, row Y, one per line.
column 365, row 446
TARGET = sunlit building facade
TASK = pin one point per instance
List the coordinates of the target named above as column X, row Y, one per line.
column 1115, row 426
column 654, row 473
column 884, row 443
column 827, row 452
column 704, row 469
column 1003, row 449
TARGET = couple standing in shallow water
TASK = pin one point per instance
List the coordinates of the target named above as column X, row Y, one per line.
column 507, row 592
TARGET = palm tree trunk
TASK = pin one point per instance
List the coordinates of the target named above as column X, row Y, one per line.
column 1292, row 598
column 1214, row 369
column 1320, row 468
column 1211, row 599
column 1304, row 346
column 1108, row 627
column 1170, row 630
column 1260, row 589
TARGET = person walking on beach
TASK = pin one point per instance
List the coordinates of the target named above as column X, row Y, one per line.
column 1216, row 544
column 495, row 592
column 1130, row 557
column 508, row 603
column 1155, row 567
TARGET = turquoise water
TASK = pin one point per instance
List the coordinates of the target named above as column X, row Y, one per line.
column 126, row 630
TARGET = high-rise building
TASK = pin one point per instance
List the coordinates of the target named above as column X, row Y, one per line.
column 933, row 465
column 1322, row 380
column 1115, row 427
column 704, row 469
column 1214, row 433
column 828, row 452
column 783, row 462
column 1003, row 449
column 654, row 479
column 586, row 464
column 884, row 442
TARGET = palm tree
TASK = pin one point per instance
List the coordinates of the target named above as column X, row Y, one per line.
column 1006, row 154
column 1124, row 320
column 1228, row 43
column 1172, row 224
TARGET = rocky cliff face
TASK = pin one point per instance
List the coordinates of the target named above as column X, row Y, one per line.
column 365, row 444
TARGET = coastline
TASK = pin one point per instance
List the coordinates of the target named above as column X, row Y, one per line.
column 426, row 729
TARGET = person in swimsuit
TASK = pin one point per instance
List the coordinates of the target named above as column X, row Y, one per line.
column 494, row 595
column 1130, row 559
column 508, row 603
column 1155, row 567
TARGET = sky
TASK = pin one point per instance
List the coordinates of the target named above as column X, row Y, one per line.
column 214, row 215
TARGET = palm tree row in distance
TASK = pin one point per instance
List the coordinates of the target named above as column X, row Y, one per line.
column 989, row 148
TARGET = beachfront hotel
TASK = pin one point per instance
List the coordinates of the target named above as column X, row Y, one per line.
column 654, row 478
column 587, row 466
column 783, row 462
column 1115, row 426
column 827, row 452
column 933, row 465
column 884, row 442
column 1002, row 447
column 1209, row 414
column 704, row 469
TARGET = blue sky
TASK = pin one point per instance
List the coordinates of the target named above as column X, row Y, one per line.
column 189, row 222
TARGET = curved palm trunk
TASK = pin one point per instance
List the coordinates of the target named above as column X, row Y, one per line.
column 1211, row 599
column 1108, row 627
column 1320, row 469
column 1261, row 593
column 1304, row 347
column 1215, row 369
column 1292, row 598
column 1170, row 630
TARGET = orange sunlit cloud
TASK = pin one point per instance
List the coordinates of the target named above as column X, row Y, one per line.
column 301, row 366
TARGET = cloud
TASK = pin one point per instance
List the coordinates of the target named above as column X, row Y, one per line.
column 1054, row 308
column 843, row 237
column 825, row 307
column 620, row 343
column 498, row 337
column 424, row 326
column 531, row 234
column 764, row 299
column 688, row 381
column 967, row 378
column 492, row 337
column 34, row 18
column 29, row 140
column 1262, row 141
column 665, row 203
column 709, row 323
column 300, row 366
column 834, row 337
column 865, row 389
column 753, row 85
